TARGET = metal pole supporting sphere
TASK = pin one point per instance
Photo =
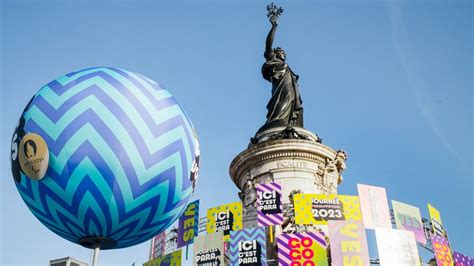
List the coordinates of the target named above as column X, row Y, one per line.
column 96, row 254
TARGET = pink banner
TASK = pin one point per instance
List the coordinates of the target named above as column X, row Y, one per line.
column 158, row 245
column 374, row 206
column 442, row 251
column 348, row 243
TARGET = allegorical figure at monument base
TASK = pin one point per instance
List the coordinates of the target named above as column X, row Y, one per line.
column 285, row 106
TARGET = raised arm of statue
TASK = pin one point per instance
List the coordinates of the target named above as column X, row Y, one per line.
column 269, row 41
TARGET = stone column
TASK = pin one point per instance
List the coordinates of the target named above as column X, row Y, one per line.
column 291, row 157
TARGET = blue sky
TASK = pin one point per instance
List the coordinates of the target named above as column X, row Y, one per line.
column 389, row 82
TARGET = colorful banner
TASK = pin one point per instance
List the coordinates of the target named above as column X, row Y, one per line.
column 225, row 218
column 348, row 243
column 319, row 209
column 396, row 247
column 436, row 222
column 408, row 218
column 172, row 259
column 269, row 209
column 158, row 245
column 188, row 224
column 302, row 249
column 248, row 247
column 209, row 249
column 442, row 251
column 462, row 260
column 374, row 206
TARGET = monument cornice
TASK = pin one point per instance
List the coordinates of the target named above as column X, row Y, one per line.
column 274, row 150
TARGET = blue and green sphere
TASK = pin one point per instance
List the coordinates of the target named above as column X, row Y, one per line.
column 123, row 157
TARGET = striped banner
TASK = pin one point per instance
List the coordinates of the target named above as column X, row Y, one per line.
column 302, row 249
column 269, row 210
column 248, row 247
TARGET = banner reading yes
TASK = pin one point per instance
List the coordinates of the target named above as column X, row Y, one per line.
column 319, row 209
column 408, row 218
column 348, row 243
column 224, row 218
column 188, row 224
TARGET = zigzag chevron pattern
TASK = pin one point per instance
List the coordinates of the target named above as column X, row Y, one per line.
column 121, row 151
column 248, row 234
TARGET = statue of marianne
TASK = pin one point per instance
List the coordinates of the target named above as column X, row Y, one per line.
column 285, row 106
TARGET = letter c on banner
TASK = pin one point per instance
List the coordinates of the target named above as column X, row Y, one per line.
column 297, row 257
column 293, row 244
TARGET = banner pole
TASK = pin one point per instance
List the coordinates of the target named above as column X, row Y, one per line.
column 271, row 233
column 187, row 252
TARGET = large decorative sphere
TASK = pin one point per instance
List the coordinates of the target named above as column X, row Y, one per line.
column 105, row 156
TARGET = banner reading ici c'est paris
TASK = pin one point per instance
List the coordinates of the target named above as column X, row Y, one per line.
column 225, row 218
column 209, row 249
column 248, row 247
column 269, row 209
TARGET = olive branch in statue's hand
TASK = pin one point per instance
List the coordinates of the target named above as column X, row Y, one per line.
column 273, row 12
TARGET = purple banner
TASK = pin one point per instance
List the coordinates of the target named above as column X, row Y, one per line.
column 269, row 211
column 348, row 243
column 462, row 260
column 188, row 224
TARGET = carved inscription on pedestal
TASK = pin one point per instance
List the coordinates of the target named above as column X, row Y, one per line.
column 292, row 164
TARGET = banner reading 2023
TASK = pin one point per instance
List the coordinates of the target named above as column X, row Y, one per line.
column 319, row 209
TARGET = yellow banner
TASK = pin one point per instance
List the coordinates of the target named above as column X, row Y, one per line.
column 171, row 259
column 319, row 209
column 436, row 222
column 226, row 218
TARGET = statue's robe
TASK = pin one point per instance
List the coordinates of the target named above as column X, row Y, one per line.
column 285, row 106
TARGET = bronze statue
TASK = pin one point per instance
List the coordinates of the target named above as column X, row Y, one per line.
column 285, row 106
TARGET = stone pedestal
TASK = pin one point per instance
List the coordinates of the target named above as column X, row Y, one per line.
column 291, row 157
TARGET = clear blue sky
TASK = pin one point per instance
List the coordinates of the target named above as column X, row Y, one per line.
column 389, row 82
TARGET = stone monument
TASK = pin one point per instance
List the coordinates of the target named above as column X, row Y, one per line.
column 282, row 150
